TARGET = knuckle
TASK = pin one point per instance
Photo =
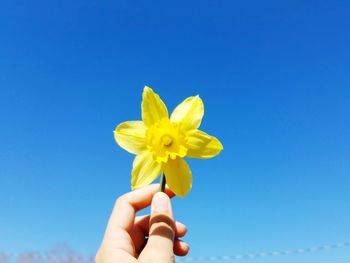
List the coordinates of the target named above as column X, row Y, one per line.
column 119, row 201
column 162, row 229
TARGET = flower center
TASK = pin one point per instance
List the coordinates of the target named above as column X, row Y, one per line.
column 167, row 140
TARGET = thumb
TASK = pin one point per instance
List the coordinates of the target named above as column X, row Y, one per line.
column 160, row 243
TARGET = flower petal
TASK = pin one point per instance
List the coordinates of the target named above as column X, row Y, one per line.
column 202, row 145
column 189, row 113
column 131, row 136
column 145, row 170
column 153, row 108
column 178, row 176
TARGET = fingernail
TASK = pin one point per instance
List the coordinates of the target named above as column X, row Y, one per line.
column 184, row 245
column 160, row 203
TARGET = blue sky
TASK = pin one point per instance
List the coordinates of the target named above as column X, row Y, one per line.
column 274, row 77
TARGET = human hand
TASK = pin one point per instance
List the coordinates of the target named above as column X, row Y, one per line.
column 147, row 239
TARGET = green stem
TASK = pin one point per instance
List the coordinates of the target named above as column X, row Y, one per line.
column 162, row 183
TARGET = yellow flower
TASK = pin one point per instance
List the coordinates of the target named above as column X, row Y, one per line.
column 160, row 142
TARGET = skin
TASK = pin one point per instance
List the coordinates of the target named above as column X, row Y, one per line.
column 152, row 238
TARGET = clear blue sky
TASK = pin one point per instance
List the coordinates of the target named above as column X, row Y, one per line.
column 275, row 80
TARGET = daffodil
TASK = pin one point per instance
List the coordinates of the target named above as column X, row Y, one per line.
column 160, row 143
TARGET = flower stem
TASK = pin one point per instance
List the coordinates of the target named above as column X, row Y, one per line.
column 162, row 183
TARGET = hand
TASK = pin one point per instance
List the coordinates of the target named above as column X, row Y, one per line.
column 148, row 239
